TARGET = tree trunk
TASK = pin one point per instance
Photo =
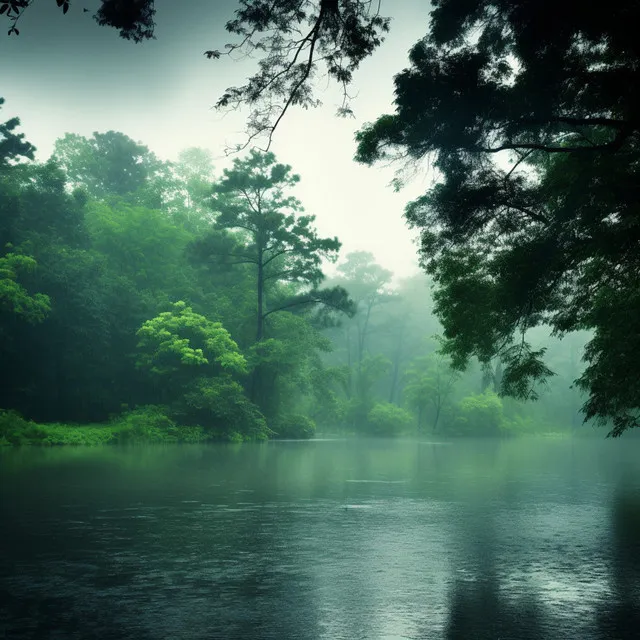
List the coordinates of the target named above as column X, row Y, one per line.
column 396, row 368
column 260, row 324
column 436, row 418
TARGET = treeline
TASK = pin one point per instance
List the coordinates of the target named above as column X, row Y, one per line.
column 175, row 303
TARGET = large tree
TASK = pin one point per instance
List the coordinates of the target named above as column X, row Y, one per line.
column 258, row 224
column 529, row 114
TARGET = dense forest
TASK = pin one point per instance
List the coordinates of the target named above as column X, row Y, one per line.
column 319, row 319
column 164, row 288
column 161, row 300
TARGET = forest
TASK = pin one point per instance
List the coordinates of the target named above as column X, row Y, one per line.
column 145, row 300
column 319, row 319
column 172, row 300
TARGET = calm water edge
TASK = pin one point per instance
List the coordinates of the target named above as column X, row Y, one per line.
column 323, row 539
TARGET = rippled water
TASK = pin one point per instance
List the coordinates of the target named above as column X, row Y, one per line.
column 324, row 539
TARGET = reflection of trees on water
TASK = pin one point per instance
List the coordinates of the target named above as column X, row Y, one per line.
column 478, row 606
column 619, row 618
column 480, row 610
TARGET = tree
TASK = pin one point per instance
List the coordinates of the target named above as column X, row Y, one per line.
column 368, row 286
column 528, row 112
column 13, row 146
column 197, row 363
column 14, row 298
column 429, row 383
column 194, row 170
column 179, row 340
column 386, row 419
column 112, row 164
column 258, row 225
column 297, row 39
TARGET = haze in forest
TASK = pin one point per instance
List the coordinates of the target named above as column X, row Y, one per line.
column 69, row 75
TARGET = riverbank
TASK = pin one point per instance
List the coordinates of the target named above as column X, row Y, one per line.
column 150, row 425
column 141, row 426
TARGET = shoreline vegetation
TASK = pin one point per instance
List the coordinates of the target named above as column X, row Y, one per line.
column 148, row 425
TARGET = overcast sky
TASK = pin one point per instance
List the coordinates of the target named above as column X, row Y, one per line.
column 66, row 74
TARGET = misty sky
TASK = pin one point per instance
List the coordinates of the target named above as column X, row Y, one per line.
column 66, row 74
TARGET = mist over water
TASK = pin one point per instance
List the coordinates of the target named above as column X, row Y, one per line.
column 322, row 539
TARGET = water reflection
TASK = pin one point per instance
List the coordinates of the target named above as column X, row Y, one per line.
column 334, row 539
column 619, row 616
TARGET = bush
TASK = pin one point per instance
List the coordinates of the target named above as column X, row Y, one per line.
column 89, row 435
column 221, row 405
column 477, row 415
column 15, row 430
column 294, row 426
column 386, row 419
column 148, row 423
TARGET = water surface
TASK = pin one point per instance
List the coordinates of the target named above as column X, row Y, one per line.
column 323, row 539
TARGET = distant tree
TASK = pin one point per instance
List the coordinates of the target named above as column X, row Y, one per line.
column 368, row 285
column 112, row 164
column 429, row 383
column 194, row 170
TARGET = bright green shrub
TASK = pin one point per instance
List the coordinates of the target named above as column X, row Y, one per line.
column 15, row 430
column 79, row 435
column 477, row 415
column 386, row 419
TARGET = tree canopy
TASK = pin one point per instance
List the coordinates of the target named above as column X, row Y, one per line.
column 527, row 115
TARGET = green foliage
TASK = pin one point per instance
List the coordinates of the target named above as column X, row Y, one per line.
column 13, row 146
column 477, row 415
column 429, row 384
column 294, row 426
column 79, row 435
column 181, row 338
column 146, row 424
column 527, row 114
column 13, row 296
column 221, row 405
column 111, row 164
column 15, row 430
column 144, row 245
column 386, row 419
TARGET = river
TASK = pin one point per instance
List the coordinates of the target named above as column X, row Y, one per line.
column 331, row 538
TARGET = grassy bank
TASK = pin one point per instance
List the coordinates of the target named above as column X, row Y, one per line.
column 144, row 425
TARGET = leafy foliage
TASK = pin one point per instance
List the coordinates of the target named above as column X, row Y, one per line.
column 294, row 426
column 222, row 404
column 527, row 113
column 111, row 164
column 13, row 296
column 386, row 419
column 181, row 338
column 477, row 415
column 13, row 146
